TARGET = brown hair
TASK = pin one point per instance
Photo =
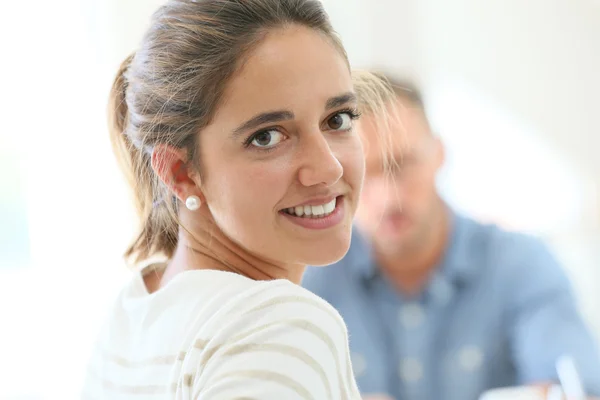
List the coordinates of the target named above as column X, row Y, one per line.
column 404, row 88
column 168, row 90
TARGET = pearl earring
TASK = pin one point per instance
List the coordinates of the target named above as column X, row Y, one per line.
column 192, row 203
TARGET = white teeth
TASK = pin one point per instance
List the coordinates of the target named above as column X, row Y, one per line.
column 329, row 207
column 312, row 211
column 318, row 210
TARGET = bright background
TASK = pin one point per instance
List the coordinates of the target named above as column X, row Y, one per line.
column 512, row 87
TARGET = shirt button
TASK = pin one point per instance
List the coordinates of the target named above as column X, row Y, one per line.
column 411, row 370
column 470, row 358
column 359, row 364
column 411, row 315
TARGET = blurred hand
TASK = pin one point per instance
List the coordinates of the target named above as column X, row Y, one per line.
column 546, row 389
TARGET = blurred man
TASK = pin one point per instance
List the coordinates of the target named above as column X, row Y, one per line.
column 438, row 306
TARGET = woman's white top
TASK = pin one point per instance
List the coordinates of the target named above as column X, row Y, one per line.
column 218, row 335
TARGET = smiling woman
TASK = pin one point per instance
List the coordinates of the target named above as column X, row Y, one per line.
column 234, row 122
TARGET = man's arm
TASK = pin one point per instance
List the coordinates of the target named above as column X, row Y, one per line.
column 544, row 321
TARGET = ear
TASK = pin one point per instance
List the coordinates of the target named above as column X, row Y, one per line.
column 172, row 166
column 440, row 152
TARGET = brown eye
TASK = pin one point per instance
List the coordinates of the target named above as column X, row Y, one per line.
column 267, row 139
column 340, row 122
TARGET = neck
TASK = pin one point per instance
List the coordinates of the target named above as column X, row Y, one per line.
column 410, row 268
column 202, row 245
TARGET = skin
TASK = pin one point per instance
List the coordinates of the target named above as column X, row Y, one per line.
column 245, row 181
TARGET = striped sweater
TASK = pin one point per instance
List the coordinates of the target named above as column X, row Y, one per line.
column 217, row 335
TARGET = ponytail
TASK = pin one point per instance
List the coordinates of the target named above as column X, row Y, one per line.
column 158, row 230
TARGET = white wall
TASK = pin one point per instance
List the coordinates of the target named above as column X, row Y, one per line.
column 538, row 58
column 56, row 87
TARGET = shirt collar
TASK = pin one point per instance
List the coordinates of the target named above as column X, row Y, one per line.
column 456, row 267
column 360, row 257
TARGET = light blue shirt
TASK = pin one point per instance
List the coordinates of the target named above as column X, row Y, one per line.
column 498, row 312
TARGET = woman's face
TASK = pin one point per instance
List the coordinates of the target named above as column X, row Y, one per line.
column 282, row 164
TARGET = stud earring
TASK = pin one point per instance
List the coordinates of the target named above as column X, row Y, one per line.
column 192, row 203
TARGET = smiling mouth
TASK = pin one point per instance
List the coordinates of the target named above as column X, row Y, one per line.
column 313, row 212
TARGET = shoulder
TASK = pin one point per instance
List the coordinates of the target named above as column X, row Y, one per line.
column 277, row 307
column 525, row 255
column 285, row 335
column 284, row 313
column 519, row 263
column 283, row 302
column 506, row 249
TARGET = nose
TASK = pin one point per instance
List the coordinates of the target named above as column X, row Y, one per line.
column 319, row 165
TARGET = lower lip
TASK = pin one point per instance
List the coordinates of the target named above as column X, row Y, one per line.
column 320, row 223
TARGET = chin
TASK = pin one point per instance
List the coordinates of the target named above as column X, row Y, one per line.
column 327, row 252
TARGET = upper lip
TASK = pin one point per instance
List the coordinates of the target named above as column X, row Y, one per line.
column 317, row 201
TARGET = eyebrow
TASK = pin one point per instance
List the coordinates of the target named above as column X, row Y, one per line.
column 285, row 115
column 264, row 118
column 340, row 100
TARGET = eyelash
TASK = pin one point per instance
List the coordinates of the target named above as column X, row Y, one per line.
column 352, row 112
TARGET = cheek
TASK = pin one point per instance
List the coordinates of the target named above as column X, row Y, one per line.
column 373, row 197
column 248, row 191
column 352, row 159
column 421, row 185
column 418, row 195
column 243, row 201
column 371, row 206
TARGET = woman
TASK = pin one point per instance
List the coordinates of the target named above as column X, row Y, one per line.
column 234, row 122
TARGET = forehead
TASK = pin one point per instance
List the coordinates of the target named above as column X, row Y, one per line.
column 407, row 128
column 291, row 68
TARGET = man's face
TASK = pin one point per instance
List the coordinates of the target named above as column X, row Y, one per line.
column 397, row 207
